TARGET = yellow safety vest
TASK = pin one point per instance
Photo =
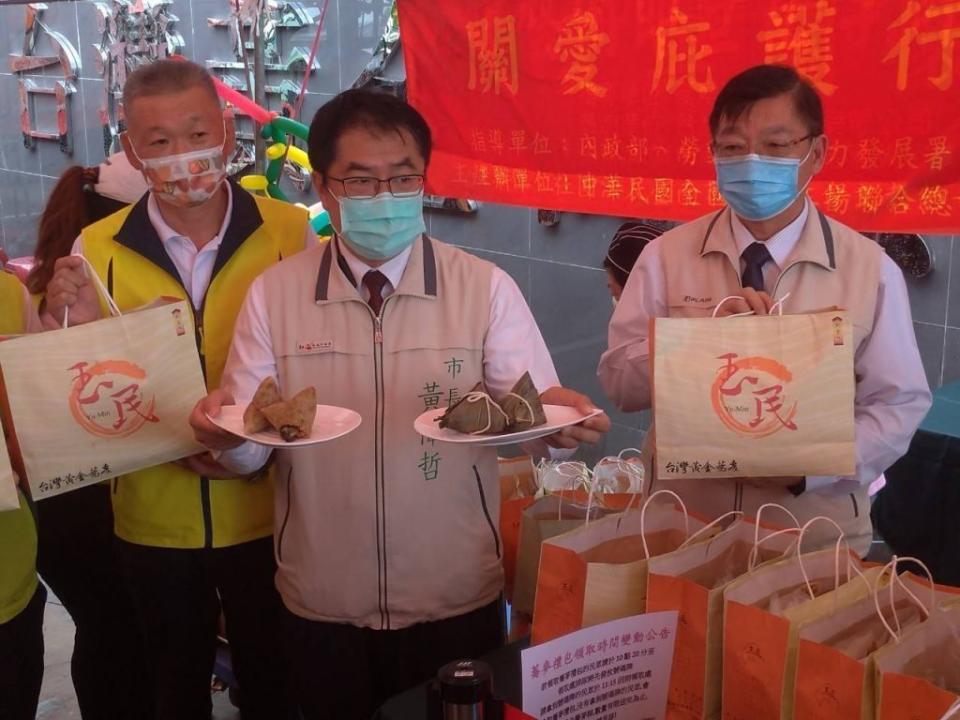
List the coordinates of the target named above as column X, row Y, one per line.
column 167, row 505
column 18, row 531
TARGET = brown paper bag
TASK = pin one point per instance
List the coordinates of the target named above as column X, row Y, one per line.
column 598, row 571
column 548, row 517
column 753, row 396
column 106, row 398
column 518, row 486
column 919, row 676
column 763, row 611
column 691, row 580
column 835, row 678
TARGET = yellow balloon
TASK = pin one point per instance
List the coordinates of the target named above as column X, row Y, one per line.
column 276, row 151
column 299, row 157
column 253, row 182
column 294, row 155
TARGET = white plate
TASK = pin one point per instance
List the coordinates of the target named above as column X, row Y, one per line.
column 329, row 423
column 558, row 417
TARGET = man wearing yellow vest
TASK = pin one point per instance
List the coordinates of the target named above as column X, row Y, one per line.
column 22, row 597
column 193, row 537
column 768, row 142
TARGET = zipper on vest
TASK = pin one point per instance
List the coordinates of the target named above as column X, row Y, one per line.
column 205, row 509
column 379, row 486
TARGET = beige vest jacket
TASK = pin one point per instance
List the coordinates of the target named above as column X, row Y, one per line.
column 831, row 265
column 382, row 528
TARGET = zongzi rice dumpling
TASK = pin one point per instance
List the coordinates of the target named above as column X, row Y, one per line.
column 267, row 393
column 475, row 414
column 293, row 418
column 522, row 406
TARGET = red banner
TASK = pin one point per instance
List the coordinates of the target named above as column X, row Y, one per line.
column 601, row 106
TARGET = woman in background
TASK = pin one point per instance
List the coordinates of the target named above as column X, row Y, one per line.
column 76, row 555
column 627, row 244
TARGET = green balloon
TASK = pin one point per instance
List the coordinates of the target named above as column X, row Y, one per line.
column 274, row 191
column 286, row 125
column 277, row 130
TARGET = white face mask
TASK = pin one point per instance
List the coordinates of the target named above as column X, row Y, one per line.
column 186, row 179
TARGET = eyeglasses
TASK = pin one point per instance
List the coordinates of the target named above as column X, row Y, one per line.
column 363, row 188
column 737, row 148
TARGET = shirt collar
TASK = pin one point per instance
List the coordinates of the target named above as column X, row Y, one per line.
column 167, row 234
column 392, row 268
column 779, row 245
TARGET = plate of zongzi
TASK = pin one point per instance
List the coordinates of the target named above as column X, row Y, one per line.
column 478, row 419
column 270, row 420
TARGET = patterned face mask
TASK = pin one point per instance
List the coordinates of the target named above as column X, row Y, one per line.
column 187, row 179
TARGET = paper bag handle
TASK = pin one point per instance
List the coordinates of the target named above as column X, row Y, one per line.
column 98, row 284
column 563, row 468
column 627, row 468
column 712, row 523
column 757, row 541
column 894, row 580
column 778, row 304
column 643, row 518
column 841, row 541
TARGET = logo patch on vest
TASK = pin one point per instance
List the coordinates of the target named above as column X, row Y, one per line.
column 698, row 300
column 314, row 347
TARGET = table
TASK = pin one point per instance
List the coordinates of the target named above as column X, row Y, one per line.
column 507, row 685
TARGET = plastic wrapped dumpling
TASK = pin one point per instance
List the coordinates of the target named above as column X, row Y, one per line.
column 522, row 406
column 475, row 414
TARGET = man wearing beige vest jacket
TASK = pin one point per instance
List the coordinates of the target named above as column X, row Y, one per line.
column 768, row 142
column 387, row 548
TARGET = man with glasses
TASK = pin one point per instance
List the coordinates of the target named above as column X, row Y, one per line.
column 768, row 142
column 387, row 548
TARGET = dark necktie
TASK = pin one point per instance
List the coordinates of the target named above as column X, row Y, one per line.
column 374, row 281
column 754, row 257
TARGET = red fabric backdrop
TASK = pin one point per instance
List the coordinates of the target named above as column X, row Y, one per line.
column 601, row 105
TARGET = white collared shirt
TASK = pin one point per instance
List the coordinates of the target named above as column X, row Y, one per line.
column 888, row 390
column 195, row 265
column 513, row 346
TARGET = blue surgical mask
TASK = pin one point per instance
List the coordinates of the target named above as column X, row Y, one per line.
column 381, row 227
column 759, row 187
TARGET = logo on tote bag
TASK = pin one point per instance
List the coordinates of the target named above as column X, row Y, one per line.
column 749, row 396
column 106, row 398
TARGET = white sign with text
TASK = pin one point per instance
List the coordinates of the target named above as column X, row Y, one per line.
column 616, row 671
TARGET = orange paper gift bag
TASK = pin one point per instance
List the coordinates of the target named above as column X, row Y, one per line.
column 691, row 580
column 598, row 572
column 835, row 678
column 918, row 675
column 518, row 486
column 763, row 611
column 547, row 517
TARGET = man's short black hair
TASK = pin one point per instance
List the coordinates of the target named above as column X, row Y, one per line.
column 767, row 81
column 378, row 111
